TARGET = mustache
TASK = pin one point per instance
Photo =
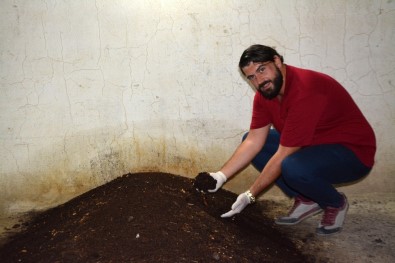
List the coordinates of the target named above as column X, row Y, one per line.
column 260, row 86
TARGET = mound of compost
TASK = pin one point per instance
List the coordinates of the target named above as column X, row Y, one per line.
column 150, row 217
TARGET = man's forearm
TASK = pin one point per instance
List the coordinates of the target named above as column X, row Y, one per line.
column 272, row 170
column 240, row 159
column 268, row 175
column 246, row 151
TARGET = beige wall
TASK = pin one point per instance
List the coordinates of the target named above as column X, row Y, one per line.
column 91, row 90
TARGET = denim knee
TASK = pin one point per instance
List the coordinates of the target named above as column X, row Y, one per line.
column 294, row 172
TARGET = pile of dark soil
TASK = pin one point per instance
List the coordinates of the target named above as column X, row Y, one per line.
column 150, row 217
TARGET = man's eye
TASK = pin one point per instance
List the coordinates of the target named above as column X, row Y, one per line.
column 261, row 69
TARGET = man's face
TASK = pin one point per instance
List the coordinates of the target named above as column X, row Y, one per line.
column 266, row 77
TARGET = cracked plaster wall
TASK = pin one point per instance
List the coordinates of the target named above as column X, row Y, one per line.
column 91, row 90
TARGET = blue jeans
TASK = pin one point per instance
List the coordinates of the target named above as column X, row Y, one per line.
column 312, row 171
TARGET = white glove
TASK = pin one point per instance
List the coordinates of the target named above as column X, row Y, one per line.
column 220, row 178
column 242, row 201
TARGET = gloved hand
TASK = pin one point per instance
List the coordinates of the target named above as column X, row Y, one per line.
column 242, row 201
column 209, row 182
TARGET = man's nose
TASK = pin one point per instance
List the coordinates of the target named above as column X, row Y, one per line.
column 258, row 80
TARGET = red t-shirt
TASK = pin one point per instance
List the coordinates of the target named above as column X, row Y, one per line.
column 316, row 109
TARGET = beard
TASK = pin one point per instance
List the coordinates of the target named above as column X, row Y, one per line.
column 277, row 83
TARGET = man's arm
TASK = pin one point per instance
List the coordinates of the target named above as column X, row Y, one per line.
column 270, row 173
column 272, row 170
column 246, row 151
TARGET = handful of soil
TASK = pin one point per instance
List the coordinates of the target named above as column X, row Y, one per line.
column 204, row 182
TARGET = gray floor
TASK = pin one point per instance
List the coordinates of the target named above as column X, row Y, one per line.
column 368, row 234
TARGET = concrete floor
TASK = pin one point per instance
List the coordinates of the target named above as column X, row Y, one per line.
column 368, row 234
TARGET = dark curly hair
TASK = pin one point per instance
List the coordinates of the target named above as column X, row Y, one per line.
column 258, row 53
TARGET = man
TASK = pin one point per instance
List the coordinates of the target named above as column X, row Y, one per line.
column 320, row 138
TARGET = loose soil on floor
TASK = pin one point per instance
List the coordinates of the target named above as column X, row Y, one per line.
column 151, row 217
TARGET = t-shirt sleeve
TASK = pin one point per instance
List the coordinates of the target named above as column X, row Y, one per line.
column 260, row 114
column 301, row 121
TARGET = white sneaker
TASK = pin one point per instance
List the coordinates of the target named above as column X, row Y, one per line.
column 301, row 210
column 333, row 219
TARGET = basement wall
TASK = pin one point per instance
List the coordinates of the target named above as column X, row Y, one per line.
column 91, row 90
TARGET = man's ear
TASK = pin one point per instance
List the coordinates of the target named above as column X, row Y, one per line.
column 277, row 61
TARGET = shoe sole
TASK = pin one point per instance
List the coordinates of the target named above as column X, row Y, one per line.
column 326, row 232
column 277, row 222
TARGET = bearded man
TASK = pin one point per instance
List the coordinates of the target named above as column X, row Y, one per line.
column 306, row 135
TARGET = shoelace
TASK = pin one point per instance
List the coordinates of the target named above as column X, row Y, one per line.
column 329, row 217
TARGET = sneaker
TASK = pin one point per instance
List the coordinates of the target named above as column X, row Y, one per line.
column 302, row 209
column 333, row 219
